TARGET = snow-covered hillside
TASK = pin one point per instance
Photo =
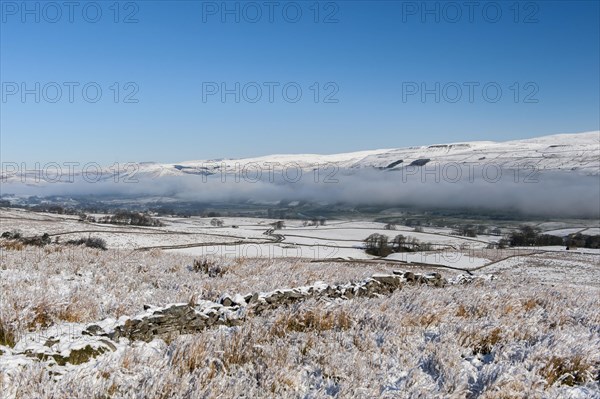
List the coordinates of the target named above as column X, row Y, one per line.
column 563, row 152
column 557, row 152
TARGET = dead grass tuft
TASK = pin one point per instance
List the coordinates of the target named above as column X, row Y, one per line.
column 461, row 311
column 488, row 341
column 430, row 319
column 470, row 311
column 72, row 313
column 529, row 304
column 311, row 320
column 237, row 351
column 190, row 357
column 209, row 267
column 481, row 342
column 12, row 245
column 7, row 334
column 42, row 316
column 566, row 370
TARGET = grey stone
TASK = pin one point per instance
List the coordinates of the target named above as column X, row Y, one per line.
column 389, row 279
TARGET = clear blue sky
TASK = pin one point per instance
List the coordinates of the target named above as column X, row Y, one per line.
column 372, row 55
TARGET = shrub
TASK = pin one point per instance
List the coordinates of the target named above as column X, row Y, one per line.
column 15, row 235
column 208, row 266
column 38, row 241
column 18, row 241
column 7, row 335
column 90, row 242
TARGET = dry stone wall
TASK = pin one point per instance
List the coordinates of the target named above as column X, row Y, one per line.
column 187, row 318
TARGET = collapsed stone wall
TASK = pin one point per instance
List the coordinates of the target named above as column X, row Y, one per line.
column 94, row 339
column 189, row 318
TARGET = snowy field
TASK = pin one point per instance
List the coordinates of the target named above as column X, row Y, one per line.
column 529, row 329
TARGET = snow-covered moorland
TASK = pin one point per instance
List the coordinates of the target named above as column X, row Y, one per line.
column 516, row 335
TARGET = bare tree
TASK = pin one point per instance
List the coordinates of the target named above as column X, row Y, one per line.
column 278, row 225
column 377, row 244
column 216, row 222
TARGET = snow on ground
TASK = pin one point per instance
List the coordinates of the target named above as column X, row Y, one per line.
column 565, row 232
column 196, row 236
column 313, row 250
column 561, row 248
column 358, row 233
column 556, row 267
column 453, row 259
column 505, row 335
column 593, row 231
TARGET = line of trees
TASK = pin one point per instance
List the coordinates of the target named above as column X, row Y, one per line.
column 471, row 230
column 528, row 236
column 583, row 241
column 131, row 219
column 380, row 244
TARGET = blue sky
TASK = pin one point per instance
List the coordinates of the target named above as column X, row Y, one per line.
column 370, row 60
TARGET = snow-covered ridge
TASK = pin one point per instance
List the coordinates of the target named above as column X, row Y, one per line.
column 556, row 152
column 562, row 152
